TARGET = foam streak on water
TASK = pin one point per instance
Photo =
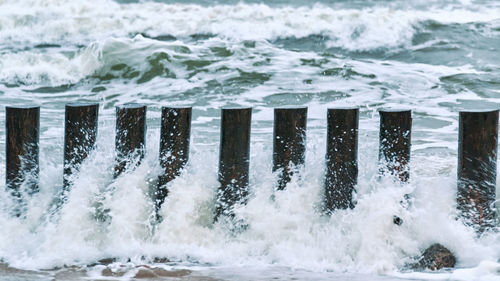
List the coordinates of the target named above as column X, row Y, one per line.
column 434, row 57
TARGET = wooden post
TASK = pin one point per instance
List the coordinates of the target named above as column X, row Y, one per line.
column 395, row 143
column 341, row 158
column 22, row 150
column 233, row 159
column 477, row 162
column 174, row 146
column 130, row 139
column 289, row 147
column 80, row 133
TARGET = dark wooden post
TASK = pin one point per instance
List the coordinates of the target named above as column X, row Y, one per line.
column 174, row 146
column 130, row 139
column 80, row 133
column 289, row 147
column 395, row 143
column 22, row 150
column 477, row 167
column 234, row 159
column 341, row 158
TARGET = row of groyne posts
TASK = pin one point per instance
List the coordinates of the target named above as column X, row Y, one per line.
column 477, row 152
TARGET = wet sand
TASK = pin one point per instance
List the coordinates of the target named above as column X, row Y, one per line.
column 116, row 271
column 98, row 273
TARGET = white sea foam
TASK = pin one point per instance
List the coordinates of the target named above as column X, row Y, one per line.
column 28, row 67
column 285, row 228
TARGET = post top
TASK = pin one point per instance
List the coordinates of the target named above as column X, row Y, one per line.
column 343, row 108
column 390, row 110
column 131, row 106
column 291, row 107
column 227, row 108
column 22, row 106
column 81, row 104
column 479, row 111
column 176, row 107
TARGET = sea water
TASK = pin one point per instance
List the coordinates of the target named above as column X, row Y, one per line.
column 433, row 57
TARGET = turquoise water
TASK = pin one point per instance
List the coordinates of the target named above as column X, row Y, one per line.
column 434, row 57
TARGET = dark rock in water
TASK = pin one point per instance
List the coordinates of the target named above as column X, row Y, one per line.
column 436, row 257
column 397, row 220
column 106, row 261
column 160, row 260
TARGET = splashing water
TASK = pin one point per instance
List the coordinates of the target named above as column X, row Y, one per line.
column 434, row 57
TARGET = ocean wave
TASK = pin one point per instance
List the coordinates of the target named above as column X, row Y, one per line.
column 35, row 22
column 137, row 60
column 29, row 68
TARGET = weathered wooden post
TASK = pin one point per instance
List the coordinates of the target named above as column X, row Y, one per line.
column 341, row 158
column 130, row 139
column 395, row 143
column 21, row 149
column 477, row 166
column 289, row 146
column 174, row 146
column 234, row 159
column 80, row 133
